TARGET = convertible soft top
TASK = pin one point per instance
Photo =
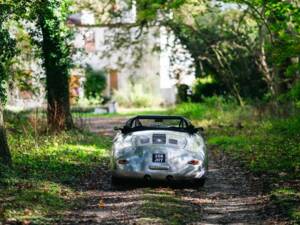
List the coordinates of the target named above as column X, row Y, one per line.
column 158, row 122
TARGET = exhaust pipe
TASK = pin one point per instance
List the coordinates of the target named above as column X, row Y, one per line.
column 170, row 178
column 147, row 177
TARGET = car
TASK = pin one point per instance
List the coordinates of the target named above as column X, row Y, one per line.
column 159, row 147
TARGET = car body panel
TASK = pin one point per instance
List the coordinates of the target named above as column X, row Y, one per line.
column 174, row 151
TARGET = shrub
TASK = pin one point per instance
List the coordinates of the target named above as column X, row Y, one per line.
column 48, row 169
column 183, row 95
column 295, row 94
column 204, row 88
column 215, row 108
column 95, row 84
column 137, row 96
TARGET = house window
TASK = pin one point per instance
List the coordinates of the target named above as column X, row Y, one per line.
column 89, row 41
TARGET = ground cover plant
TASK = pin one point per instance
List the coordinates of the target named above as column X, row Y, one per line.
column 267, row 146
column 47, row 172
column 165, row 207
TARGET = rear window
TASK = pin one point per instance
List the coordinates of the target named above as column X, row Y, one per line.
column 159, row 123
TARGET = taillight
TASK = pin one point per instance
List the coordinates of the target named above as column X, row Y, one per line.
column 194, row 162
column 122, row 161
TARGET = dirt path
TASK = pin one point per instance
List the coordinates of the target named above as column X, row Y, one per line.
column 228, row 197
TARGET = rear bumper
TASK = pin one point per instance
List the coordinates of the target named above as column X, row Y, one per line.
column 185, row 174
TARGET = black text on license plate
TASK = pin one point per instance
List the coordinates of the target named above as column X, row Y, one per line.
column 158, row 158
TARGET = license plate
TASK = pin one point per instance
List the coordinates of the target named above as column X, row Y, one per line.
column 158, row 158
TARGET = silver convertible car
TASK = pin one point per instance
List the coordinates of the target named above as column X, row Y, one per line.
column 160, row 148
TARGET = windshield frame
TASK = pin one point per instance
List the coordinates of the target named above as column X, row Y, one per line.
column 186, row 124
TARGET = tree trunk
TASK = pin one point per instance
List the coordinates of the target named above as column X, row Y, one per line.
column 56, row 63
column 58, row 110
column 269, row 74
column 5, row 156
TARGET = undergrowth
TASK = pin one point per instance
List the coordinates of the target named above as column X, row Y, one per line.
column 47, row 169
column 264, row 144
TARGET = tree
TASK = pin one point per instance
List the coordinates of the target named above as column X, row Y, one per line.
column 50, row 17
column 7, row 51
column 278, row 41
column 222, row 42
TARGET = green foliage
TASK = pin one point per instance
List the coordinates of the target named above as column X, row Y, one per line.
column 279, row 25
column 204, row 88
column 23, row 76
column 95, row 84
column 288, row 199
column 222, row 44
column 7, row 48
column 148, row 10
column 214, row 109
column 164, row 207
column 266, row 146
column 53, row 37
column 136, row 97
column 294, row 93
column 46, row 171
column 271, row 146
column 51, row 16
column 183, row 95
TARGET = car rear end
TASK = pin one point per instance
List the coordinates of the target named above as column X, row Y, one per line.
column 160, row 155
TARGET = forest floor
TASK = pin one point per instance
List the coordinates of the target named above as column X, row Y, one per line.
column 65, row 178
column 230, row 196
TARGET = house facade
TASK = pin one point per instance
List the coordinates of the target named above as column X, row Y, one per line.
column 151, row 58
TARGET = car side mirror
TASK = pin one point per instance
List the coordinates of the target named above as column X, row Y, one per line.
column 117, row 128
column 200, row 129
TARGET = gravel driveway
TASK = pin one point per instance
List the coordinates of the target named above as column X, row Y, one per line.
column 230, row 196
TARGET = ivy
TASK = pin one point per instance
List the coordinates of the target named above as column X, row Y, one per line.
column 7, row 49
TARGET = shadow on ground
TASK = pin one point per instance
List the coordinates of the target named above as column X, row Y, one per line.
column 226, row 198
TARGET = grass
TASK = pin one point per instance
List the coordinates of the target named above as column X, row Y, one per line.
column 264, row 145
column 47, row 171
column 288, row 200
column 121, row 112
column 164, row 207
column 48, row 168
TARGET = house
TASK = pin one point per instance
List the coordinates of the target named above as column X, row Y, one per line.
column 153, row 58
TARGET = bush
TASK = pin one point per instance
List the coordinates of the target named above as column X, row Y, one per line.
column 136, row 97
column 216, row 108
column 94, row 84
column 47, row 170
column 295, row 94
column 183, row 95
column 205, row 88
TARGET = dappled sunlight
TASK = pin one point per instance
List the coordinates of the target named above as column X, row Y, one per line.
column 35, row 199
column 165, row 207
column 48, row 173
column 72, row 72
column 86, row 153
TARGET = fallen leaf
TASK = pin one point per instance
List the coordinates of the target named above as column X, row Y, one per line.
column 101, row 204
column 27, row 212
column 26, row 222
